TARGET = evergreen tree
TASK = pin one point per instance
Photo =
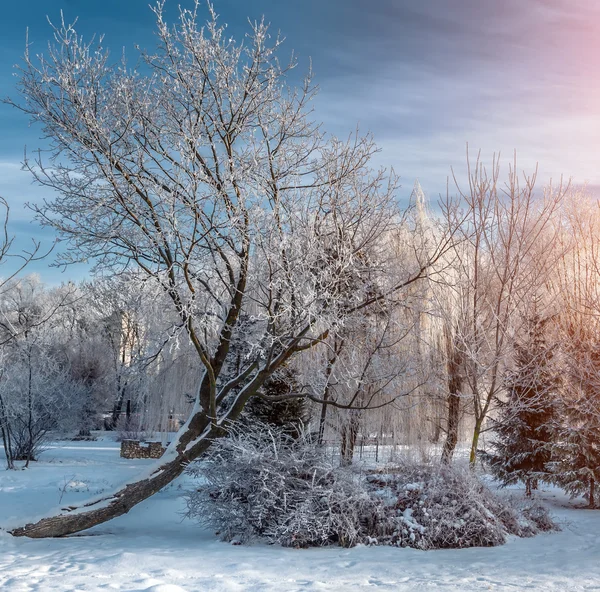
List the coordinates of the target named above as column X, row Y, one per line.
column 524, row 428
column 289, row 413
column 576, row 453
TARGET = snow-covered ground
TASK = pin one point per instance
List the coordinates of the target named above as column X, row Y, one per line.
column 152, row 549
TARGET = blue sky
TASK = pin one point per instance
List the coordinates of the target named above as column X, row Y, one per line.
column 424, row 76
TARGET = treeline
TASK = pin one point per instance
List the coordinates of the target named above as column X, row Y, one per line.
column 500, row 336
column 87, row 357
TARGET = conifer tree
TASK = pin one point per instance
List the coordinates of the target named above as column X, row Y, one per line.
column 524, row 428
column 576, row 453
column 290, row 413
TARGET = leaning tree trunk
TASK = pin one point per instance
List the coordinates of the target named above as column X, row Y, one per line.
column 76, row 519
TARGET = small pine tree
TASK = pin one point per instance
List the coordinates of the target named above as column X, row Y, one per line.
column 289, row 414
column 576, row 453
column 524, row 430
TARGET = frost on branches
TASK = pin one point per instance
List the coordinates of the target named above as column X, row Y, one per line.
column 261, row 484
column 206, row 171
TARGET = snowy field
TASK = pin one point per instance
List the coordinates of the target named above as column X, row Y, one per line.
column 151, row 549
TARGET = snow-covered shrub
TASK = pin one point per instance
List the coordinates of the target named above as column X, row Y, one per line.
column 432, row 506
column 262, row 484
column 536, row 514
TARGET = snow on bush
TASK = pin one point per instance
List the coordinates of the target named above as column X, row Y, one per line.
column 440, row 507
column 262, row 484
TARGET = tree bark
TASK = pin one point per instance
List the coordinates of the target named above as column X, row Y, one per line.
column 337, row 348
column 455, row 383
column 349, row 434
column 7, row 447
column 6, row 438
column 452, row 429
column 323, row 417
column 475, row 442
column 29, row 410
column 121, row 502
column 116, row 412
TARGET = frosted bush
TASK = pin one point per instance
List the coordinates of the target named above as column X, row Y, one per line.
column 263, row 485
column 436, row 507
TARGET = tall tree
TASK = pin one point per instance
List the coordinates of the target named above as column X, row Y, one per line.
column 525, row 425
column 576, row 454
column 503, row 256
column 576, row 461
column 205, row 170
column 23, row 259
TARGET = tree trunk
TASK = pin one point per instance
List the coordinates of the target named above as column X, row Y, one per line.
column 117, row 406
column 455, row 380
column 344, row 445
column 452, row 429
column 7, row 447
column 592, row 488
column 323, row 417
column 349, row 435
column 437, row 432
column 6, row 441
column 528, row 487
column 119, row 503
column 475, row 442
column 337, row 348
column 29, row 411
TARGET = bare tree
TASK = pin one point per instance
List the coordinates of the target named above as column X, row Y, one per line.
column 22, row 260
column 502, row 255
column 205, row 170
column 577, row 291
column 365, row 370
column 36, row 391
